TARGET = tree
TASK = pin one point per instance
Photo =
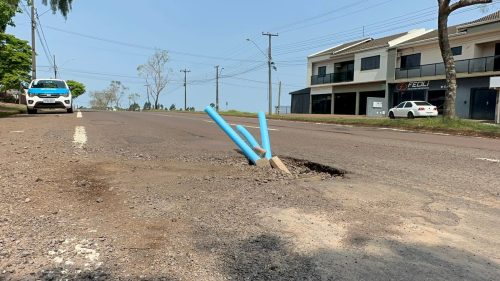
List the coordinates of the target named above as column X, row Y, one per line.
column 108, row 97
column 64, row 6
column 147, row 106
column 154, row 70
column 15, row 62
column 445, row 9
column 77, row 88
column 132, row 98
column 116, row 90
column 172, row 107
column 99, row 100
column 134, row 107
column 8, row 9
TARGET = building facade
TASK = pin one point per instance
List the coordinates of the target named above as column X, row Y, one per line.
column 407, row 66
column 419, row 72
column 344, row 77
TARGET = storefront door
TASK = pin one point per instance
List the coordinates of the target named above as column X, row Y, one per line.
column 321, row 104
column 483, row 101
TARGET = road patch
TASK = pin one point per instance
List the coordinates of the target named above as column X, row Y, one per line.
column 79, row 114
column 489, row 160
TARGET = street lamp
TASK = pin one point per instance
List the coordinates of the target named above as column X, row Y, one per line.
column 255, row 44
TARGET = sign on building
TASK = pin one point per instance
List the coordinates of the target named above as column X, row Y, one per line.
column 413, row 86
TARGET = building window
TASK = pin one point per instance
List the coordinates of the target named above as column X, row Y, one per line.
column 321, row 71
column 370, row 63
column 456, row 51
column 410, row 61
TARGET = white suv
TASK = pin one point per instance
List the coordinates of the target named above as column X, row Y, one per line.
column 48, row 93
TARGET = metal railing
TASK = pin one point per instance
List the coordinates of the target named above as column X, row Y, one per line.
column 282, row 109
column 337, row 77
column 477, row 65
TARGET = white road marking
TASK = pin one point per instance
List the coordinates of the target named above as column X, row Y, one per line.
column 80, row 136
column 489, row 160
column 17, row 131
column 246, row 126
column 79, row 114
column 441, row 134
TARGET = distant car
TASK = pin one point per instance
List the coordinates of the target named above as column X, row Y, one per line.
column 48, row 93
column 412, row 109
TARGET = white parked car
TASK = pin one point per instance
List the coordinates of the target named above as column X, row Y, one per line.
column 412, row 109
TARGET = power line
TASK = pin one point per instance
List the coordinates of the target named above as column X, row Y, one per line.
column 43, row 33
column 133, row 45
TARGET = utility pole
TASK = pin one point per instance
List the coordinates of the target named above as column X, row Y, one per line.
column 55, row 68
column 269, row 62
column 185, row 87
column 217, row 88
column 33, row 49
column 279, row 99
column 217, row 76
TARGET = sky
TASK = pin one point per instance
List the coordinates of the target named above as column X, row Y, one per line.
column 101, row 41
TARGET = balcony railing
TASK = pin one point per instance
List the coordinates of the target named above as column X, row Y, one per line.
column 484, row 64
column 346, row 76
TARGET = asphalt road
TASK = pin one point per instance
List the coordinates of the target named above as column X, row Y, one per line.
column 451, row 165
column 168, row 196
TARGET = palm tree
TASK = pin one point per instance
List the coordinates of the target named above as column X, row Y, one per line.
column 63, row 6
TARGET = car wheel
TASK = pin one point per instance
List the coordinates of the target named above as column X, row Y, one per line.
column 69, row 110
column 410, row 115
column 391, row 115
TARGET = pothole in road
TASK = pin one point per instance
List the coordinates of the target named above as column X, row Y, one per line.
column 299, row 168
column 303, row 168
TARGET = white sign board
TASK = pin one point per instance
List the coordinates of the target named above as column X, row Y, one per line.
column 377, row 104
column 495, row 82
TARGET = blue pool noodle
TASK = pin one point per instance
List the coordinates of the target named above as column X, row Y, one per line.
column 264, row 135
column 249, row 153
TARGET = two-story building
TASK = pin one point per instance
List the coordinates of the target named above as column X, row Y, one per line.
column 406, row 66
column 419, row 73
column 343, row 77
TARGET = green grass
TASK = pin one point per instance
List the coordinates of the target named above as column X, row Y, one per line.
column 8, row 109
column 439, row 124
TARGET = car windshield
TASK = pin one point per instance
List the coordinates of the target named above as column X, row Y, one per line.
column 48, row 84
column 422, row 103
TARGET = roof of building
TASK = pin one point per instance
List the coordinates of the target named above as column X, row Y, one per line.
column 456, row 29
column 488, row 18
column 337, row 48
column 431, row 35
column 371, row 44
column 301, row 91
column 360, row 45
